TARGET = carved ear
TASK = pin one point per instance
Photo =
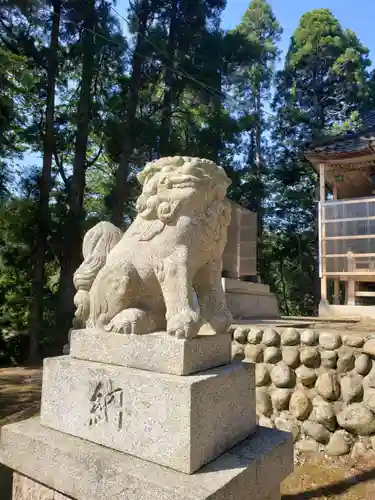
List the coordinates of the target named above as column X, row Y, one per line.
column 153, row 228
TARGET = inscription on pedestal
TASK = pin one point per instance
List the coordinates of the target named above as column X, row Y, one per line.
column 106, row 404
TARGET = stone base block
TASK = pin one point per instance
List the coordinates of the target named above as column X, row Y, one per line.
column 327, row 310
column 180, row 422
column 80, row 470
column 250, row 300
column 157, row 352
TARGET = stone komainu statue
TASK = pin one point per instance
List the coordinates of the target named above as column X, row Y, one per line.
column 144, row 281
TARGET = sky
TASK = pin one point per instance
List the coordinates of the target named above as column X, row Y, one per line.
column 357, row 15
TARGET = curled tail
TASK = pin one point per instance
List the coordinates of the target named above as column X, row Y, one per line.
column 97, row 244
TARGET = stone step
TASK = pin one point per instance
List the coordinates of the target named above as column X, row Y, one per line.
column 82, row 470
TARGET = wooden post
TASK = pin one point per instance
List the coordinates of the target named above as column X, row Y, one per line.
column 323, row 281
column 351, row 282
column 336, row 281
column 351, row 292
column 336, row 291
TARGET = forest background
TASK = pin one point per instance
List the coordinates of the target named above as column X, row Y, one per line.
column 90, row 91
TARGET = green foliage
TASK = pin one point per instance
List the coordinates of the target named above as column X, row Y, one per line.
column 320, row 91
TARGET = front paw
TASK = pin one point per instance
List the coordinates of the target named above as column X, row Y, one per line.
column 131, row 321
column 184, row 325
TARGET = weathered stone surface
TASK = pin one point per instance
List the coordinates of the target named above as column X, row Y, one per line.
column 328, row 359
column 80, row 469
column 266, row 422
column 290, row 336
column 307, row 445
column 283, row 376
column 351, row 388
column 25, row 488
column 240, row 334
column 369, row 399
column 346, row 359
column 238, row 353
column 119, row 269
column 280, row 399
column 263, row 402
column 329, row 340
column 287, row 423
column 359, row 451
column 262, row 374
column 290, row 356
column 307, row 376
column 254, row 353
column 353, row 340
column 300, row 406
column 271, row 337
column 180, row 422
column 324, row 414
column 255, row 335
column 309, row 337
column 357, row 418
column 157, row 352
column 372, row 442
column 316, row 431
column 310, row 357
column 369, row 348
column 339, row 444
column 272, row 355
column 328, row 387
column 363, row 364
column 369, row 380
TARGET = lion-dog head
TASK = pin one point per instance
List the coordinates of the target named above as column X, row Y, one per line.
column 172, row 183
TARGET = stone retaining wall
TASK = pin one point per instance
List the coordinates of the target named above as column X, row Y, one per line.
column 319, row 386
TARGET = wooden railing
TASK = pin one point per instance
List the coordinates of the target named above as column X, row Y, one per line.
column 347, row 237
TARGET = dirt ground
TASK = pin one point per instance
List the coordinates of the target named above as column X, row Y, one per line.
column 19, row 393
column 319, row 478
column 315, row 477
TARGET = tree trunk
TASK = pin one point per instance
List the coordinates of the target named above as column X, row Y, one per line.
column 258, row 159
column 119, row 198
column 73, row 230
column 170, row 88
column 285, row 297
column 218, row 102
column 42, row 230
column 258, row 166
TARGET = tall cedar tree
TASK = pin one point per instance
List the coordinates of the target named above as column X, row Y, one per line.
column 42, row 228
column 323, row 81
column 260, row 27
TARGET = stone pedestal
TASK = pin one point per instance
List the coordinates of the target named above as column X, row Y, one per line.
column 116, row 425
column 247, row 300
column 78, row 469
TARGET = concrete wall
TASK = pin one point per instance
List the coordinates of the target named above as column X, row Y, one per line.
column 319, row 386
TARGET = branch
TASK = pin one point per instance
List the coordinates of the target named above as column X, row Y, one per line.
column 60, row 168
column 96, row 157
column 30, row 51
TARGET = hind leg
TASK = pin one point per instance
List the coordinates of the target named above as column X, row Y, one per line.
column 111, row 293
